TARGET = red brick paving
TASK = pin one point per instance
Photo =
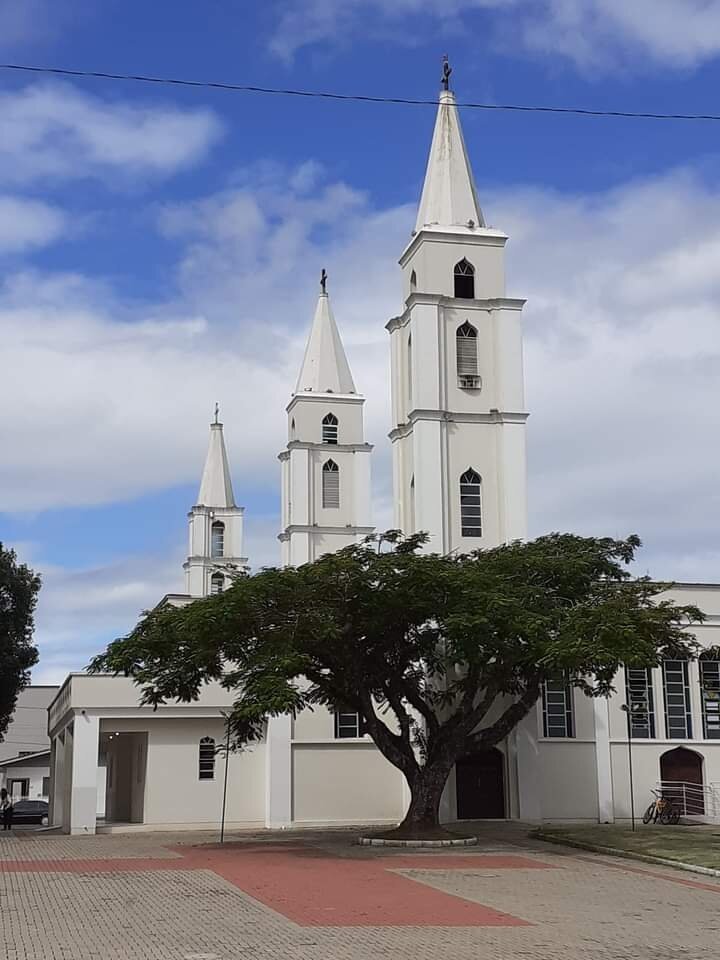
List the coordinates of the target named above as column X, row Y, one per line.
column 313, row 888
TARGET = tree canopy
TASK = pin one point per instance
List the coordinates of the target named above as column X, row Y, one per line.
column 439, row 655
column 19, row 588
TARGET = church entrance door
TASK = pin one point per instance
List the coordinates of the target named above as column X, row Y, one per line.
column 480, row 786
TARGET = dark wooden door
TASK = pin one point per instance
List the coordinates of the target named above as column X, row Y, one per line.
column 678, row 767
column 480, row 786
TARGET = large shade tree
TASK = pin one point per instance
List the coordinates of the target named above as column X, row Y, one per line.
column 19, row 588
column 440, row 655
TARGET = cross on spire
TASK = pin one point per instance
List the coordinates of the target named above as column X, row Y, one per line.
column 323, row 280
column 217, row 412
column 446, row 71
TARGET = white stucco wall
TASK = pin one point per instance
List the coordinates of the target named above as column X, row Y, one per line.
column 34, row 774
column 342, row 782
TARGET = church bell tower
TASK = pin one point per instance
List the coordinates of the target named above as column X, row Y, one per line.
column 326, row 464
column 458, row 409
column 216, row 525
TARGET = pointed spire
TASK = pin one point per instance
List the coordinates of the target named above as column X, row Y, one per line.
column 449, row 198
column 324, row 368
column 216, row 487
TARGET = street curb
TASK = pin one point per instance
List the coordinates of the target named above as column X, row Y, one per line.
column 626, row 854
column 379, row 842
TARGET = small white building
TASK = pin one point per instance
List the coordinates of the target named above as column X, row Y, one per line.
column 27, row 777
column 459, row 472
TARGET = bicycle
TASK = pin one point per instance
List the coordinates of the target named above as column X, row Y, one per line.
column 664, row 809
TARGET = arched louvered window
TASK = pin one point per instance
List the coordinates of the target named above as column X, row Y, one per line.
column 330, row 485
column 409, row 373
column 217, row 584
column 330, row 429
column 470, row 504
column 413, row 282
column 206, row 759
column 464, row 280
column 217, row 539
column 467, row 355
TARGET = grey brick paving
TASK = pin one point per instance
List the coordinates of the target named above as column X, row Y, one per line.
column 588, row 907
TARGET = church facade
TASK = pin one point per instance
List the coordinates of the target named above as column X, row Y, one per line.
column 459, row 472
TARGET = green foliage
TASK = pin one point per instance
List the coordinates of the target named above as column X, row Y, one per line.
column 424, row 647
column 19, row 587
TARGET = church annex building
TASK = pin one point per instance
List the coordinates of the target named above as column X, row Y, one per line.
column 459, row 472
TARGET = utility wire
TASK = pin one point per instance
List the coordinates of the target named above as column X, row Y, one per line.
column 358, row 98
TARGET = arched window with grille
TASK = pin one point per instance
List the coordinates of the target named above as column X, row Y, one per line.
column 464, row 275
column 206, row 759
column 217, row 584
column 330, row 428
column 330, row 485
column 466, row 339
column 217, row 539
column 470, row 504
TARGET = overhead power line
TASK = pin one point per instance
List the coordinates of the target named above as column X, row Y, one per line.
column 351, row 97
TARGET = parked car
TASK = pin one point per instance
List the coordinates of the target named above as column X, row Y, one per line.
column 30, row 811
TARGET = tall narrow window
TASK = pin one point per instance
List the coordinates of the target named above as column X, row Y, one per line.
column 330, row 429
column 206, row 759
column 217, row 539
column 412, row 505
column 678, row 717
column 348, row 725
column 464, row 280
column 710, row 693
column 557, row 709
column 639, row 698
column 217, row 584
column 470, row 504
column 330, row 485
column 409, row 374
column 413, row 282
column 467, row 356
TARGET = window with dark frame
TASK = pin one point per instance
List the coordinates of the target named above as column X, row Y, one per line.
column 470, row 504
column 206, row 759
column 678, row 714
column 330, row 429
column 464, row 276
column 639, row 698
column 217, row 584
column 466, row 349
column 710, row 694
column 348, row 725
column 557, row 707
column 46, row 787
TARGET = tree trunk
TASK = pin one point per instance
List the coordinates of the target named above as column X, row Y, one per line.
column 425, row 791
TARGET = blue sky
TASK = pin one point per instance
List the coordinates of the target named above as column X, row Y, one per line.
column 160, row 247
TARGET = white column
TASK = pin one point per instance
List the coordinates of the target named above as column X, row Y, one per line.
column 278, row 773
column 529, row 772
column 606, row 805
column 83, row 798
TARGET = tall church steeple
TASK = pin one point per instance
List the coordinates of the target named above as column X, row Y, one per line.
column 449, row 197
column 216, row 524
column 326, row 464
column 458, row 407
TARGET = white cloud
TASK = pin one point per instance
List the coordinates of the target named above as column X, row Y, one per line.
column 102, row 398
column 56, row 132
column 29, row 224
column 676, row 33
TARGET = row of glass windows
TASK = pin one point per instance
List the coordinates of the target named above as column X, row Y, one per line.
column 557, row 702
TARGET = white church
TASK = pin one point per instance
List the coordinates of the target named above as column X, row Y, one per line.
column 459, row 472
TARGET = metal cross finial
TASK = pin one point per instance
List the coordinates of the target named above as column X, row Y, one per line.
column 323, row 281
column 447, row 70
column 217, row 412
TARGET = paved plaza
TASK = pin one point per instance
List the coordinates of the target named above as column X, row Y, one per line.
column 320, row 897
